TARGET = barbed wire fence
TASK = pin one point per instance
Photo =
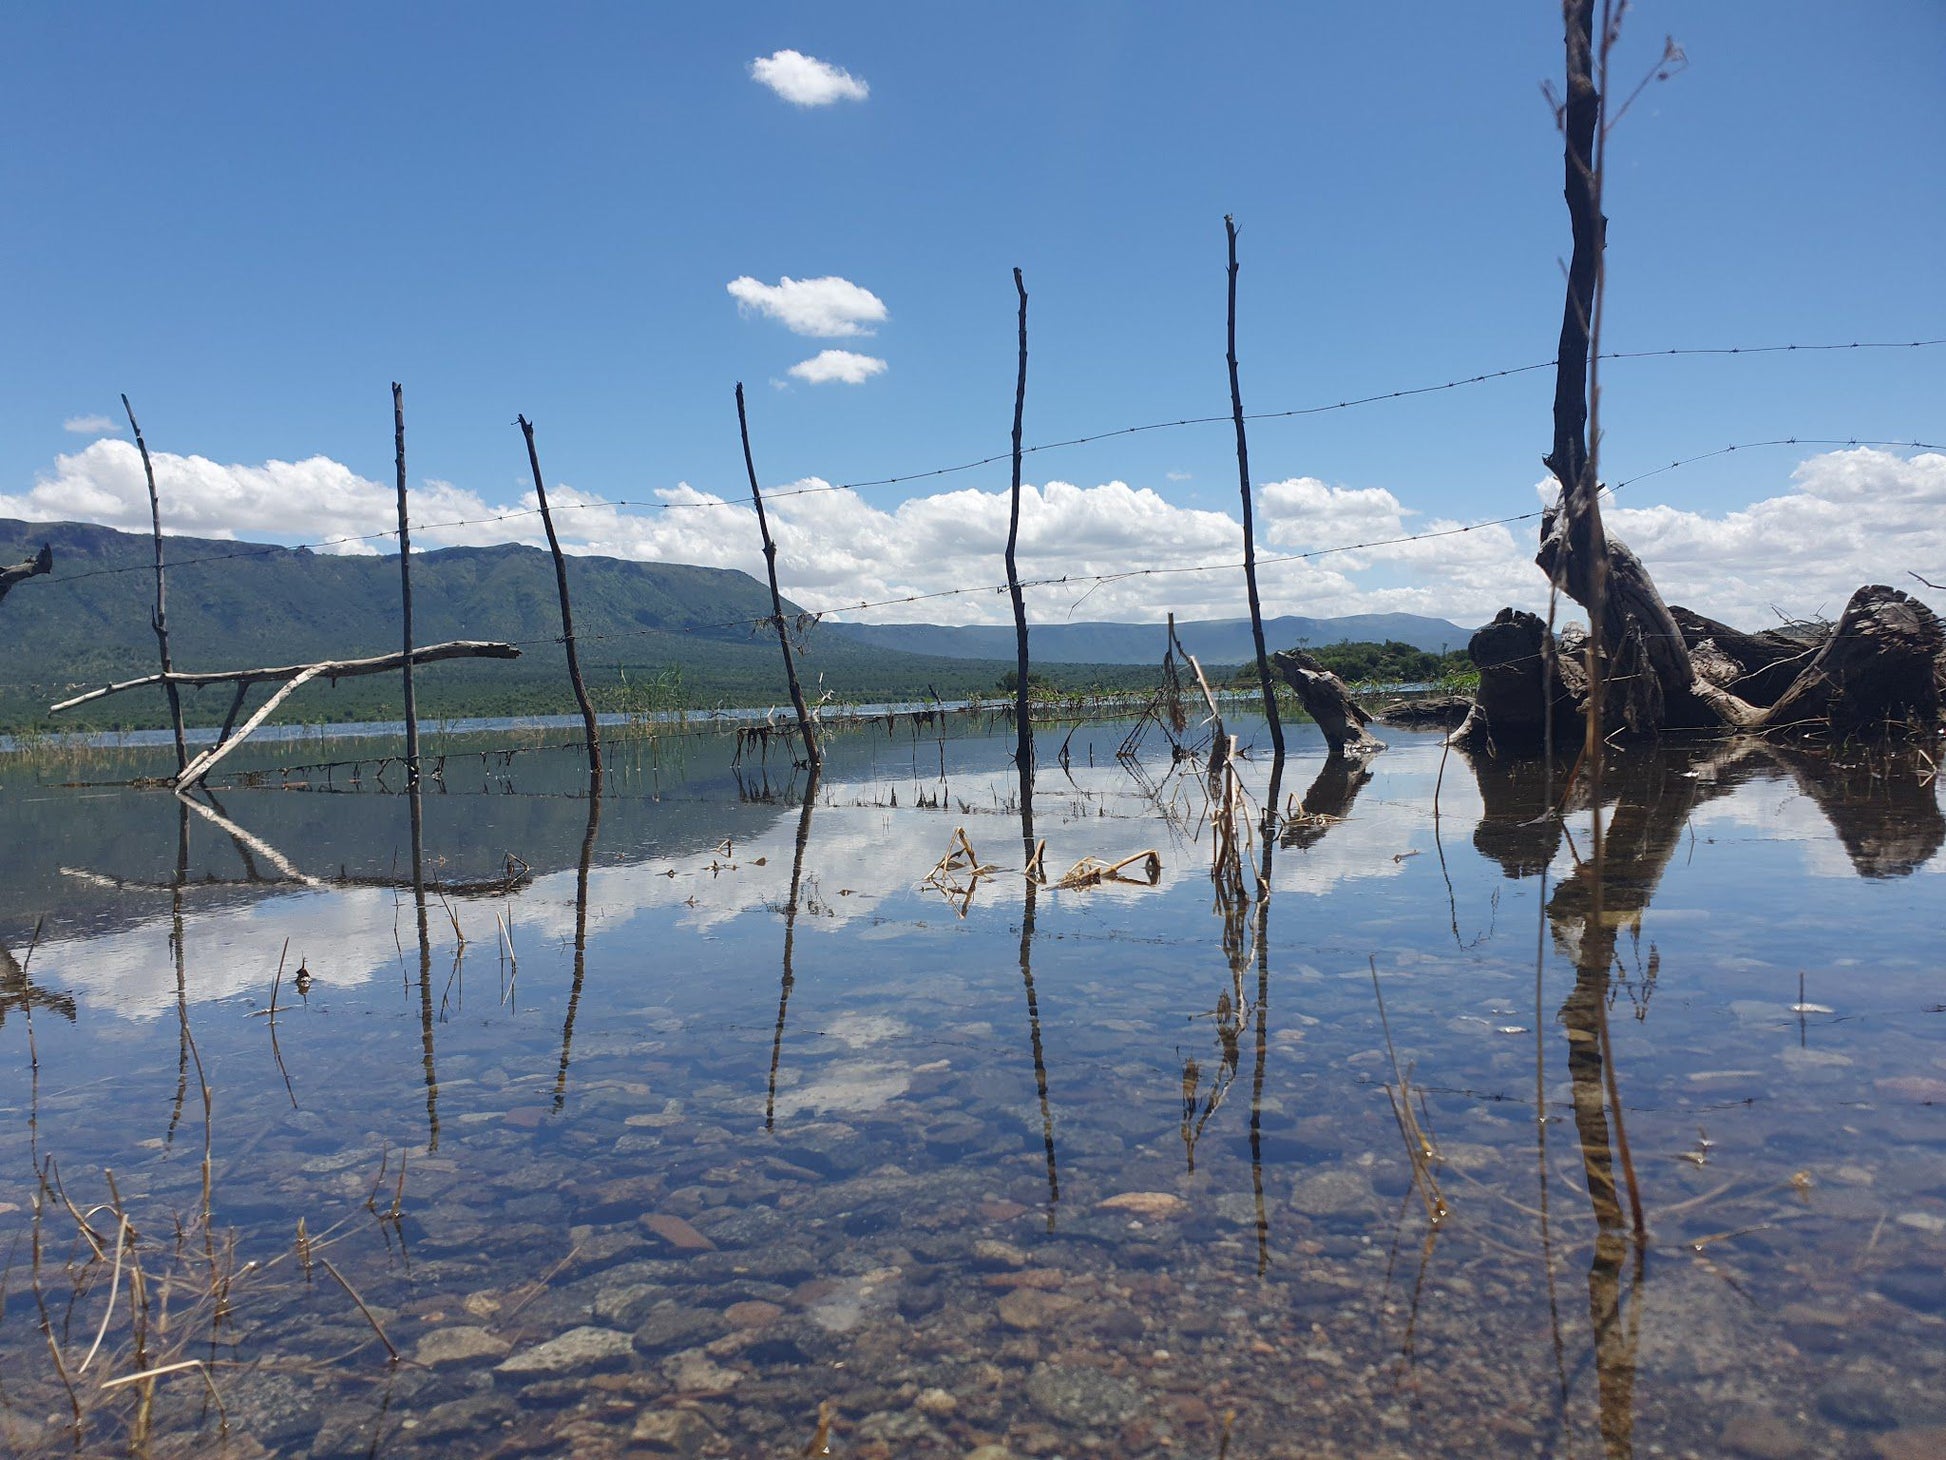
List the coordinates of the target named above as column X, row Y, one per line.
column 1090, row 581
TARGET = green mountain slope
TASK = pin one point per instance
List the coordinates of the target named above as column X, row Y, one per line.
column 233, row 605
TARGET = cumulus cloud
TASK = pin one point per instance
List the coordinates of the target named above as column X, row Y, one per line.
column 318, row 499
column 1857, row 516
column 844, row 366
column 826, row 308
column 805, row 80
column 1109, row 551
column 92, row 425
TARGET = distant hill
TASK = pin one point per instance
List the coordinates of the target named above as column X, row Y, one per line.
column 234, row 604
column 1212, row 641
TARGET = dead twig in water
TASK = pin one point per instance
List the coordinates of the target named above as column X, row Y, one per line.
column 352, row 1293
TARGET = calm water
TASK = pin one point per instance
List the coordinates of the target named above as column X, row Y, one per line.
column 705, row 1110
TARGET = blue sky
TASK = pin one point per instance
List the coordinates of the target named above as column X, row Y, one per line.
column 253, row 218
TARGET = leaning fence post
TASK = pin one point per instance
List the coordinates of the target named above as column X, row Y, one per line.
column 160, row 621
column 811, row 755
column 1249, row 531
column 567, row 614
column 405, row 588
column 1024, row 730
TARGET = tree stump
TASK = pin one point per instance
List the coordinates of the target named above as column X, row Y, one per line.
column 1329, row 702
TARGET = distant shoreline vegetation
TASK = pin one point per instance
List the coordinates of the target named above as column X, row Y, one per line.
column 536, row 687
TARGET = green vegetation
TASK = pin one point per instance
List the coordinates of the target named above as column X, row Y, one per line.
column 1371, row 666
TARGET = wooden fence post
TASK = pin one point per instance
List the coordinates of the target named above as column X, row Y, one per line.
column 160, row 620
column 567, row 614
column 1249, row 530
column 405, row 588
column 1023, row 727
column 812, row 758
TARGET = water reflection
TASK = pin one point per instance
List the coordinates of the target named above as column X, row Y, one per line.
column 790, row 941
column 910, row 1215
column 1032, row 854
column 588, row 839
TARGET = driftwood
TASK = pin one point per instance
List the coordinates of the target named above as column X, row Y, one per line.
column 1754, row 667
column 1875, row 674
column 292, row 677
column 1329, row 702
column 34, row 567
column 330, row 669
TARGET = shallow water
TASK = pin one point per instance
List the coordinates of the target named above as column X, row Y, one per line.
column 764, row 1123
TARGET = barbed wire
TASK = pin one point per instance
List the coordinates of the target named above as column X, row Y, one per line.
column 933, row 473
column 1095, row 580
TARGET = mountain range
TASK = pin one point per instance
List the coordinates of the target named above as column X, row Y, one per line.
column 235, row 604
column 1212, row 641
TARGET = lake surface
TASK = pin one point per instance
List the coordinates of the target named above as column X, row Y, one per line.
column 686, row 1110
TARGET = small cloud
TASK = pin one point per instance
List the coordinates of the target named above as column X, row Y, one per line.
column 1178, row 476
column 827, row 308
column 92, row 425
column 840, row 365
column 806, row 81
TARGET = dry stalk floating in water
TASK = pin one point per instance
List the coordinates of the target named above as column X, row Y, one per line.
column 1093, row 871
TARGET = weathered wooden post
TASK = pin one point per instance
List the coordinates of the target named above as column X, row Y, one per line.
column 811, row 755
column 405, row 591
column 160, row 619
column 567, row 614
column 1023, row 726
column 1249, row 530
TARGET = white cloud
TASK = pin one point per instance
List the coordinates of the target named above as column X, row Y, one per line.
column 1178, row 476
column 806, row 81
column 826, row 308
column 1854, row 517
column 840, row 365
column 315, row 499
column 1849, row 517
column 92, row 425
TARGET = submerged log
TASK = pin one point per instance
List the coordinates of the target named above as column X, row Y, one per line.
column 34, row 567
column 1424, row 712
column 1329, row 702
column 1756, row 668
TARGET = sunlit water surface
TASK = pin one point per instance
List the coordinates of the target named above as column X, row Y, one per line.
column 706, row 1110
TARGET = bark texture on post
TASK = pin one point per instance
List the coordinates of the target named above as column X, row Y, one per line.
column 1249, row 529
column 1023, row 726
column 405, row 588
column 34, row 567
column 159, row 620
column 1634, row 640
column 567, row 614
column 811, row 755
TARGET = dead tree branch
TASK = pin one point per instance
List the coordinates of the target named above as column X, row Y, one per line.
column 34, row 567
